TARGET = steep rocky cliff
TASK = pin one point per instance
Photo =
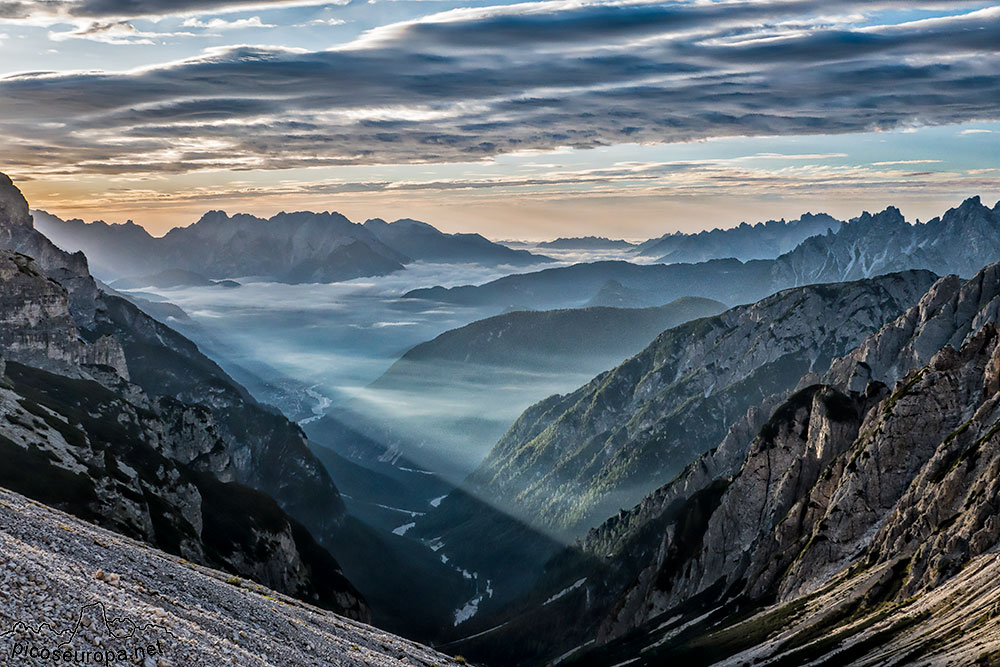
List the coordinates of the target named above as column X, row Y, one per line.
column 36, row 326
column 151, row 424
column 571, row 459
column 857, row 527
column 267, row 452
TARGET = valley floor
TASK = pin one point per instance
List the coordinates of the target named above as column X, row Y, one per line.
column 68, row 585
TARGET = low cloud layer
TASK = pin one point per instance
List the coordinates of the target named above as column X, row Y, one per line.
column 469, row 84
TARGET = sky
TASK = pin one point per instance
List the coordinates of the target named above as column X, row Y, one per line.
column 522, row 120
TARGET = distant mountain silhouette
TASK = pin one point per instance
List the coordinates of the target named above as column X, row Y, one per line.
column 299, row 247
column 961, row 241
column 764, row 240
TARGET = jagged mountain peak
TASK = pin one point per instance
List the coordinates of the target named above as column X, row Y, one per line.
column 877, row 480
column 888, row 215
column 13, row 205
column 945, row 316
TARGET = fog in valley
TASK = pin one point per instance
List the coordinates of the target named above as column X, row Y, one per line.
column 317, row 349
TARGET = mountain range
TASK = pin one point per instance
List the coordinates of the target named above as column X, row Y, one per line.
column 587, row 243
column 296, row 247
column 856, row 525
column 764, row 240
column 960, row 241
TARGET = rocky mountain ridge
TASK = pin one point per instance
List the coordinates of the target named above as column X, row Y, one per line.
column 764, row 240
column 855, row 527
column 961, row 241
column 605, row 445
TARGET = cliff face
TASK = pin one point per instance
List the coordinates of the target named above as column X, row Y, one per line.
column 830, row 526
column 856, row 511
column 36, row 326
column 574, row 458
column 148, row 435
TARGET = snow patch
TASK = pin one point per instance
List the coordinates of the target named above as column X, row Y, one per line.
column 401, row 530
column 565, row 591
column 471, row 607
column 413, row 515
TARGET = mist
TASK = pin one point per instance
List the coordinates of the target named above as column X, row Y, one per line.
column 316, row 349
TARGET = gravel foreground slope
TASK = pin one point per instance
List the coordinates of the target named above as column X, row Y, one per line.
column 73, row 593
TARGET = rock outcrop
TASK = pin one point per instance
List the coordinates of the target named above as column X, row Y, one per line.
column 572, row 459
column 145, row 434
column 36, row 326
column 854, row 523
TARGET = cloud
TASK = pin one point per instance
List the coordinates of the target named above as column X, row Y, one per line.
column 976, row 131
column 51, row 11
column 469, row 84
column 705, row 180
column 327, row 22
column 901, row 162
column 223, row 24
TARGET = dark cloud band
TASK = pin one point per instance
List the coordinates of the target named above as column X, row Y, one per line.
column 542, row 76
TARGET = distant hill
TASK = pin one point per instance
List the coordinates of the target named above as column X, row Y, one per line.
column 764, row 240
column 727, row 280
column 578, row 339
column 299, row 247
column 587, row 243
column 616, row 295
